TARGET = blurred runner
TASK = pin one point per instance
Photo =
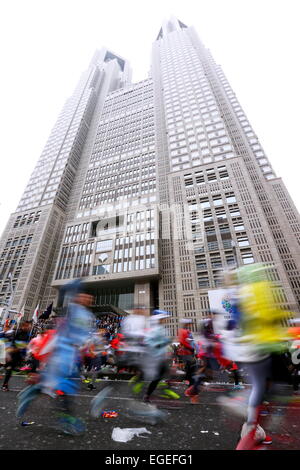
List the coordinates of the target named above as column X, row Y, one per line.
column 156, row 342
column 256, row 337
column 187, row 350
column 59, row 378
column 294, row 354
column 96, row 353
column 16, row 343
column 117, row 344
column 133, row 329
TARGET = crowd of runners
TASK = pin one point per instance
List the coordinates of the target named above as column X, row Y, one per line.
column 65, row 353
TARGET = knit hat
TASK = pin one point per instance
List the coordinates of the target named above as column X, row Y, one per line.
column 160, row 314
column 72, row 288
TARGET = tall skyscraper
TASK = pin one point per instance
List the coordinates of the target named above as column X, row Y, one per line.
column 147, row 190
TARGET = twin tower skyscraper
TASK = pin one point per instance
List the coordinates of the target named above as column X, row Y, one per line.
column 147, row 190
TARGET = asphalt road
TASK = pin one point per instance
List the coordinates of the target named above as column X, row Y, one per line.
column 190, row 427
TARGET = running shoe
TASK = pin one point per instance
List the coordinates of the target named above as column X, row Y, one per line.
column 162, row 385
column 70, row 425
column 238, row 387
column 138, row 387
column 267, row 440
column 194, row 399
column 25, row 399
column 27, row 391
column 91, row 387
column 167, row 393
column 98, row 402
column 253, row 437
column 133, row 379
column 146, row 413
column 5, row 388
column 190, row 392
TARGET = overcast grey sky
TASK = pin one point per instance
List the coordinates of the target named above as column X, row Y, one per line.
column 45, row 45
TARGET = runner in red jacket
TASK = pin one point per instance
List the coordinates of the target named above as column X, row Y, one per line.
column 186, row 350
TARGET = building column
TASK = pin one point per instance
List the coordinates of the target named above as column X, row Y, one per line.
column 143, row 296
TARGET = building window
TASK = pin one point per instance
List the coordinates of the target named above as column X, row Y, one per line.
column 212, row 246
column 247, row 257
column 203, row 281
column 243, row 241
column 204, row 203
column 239, row 228
column 103, row 269
column 217, row 202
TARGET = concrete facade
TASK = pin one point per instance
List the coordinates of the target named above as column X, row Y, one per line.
column 148, row 190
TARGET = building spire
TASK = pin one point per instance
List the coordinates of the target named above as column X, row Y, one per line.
column 169, row 26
